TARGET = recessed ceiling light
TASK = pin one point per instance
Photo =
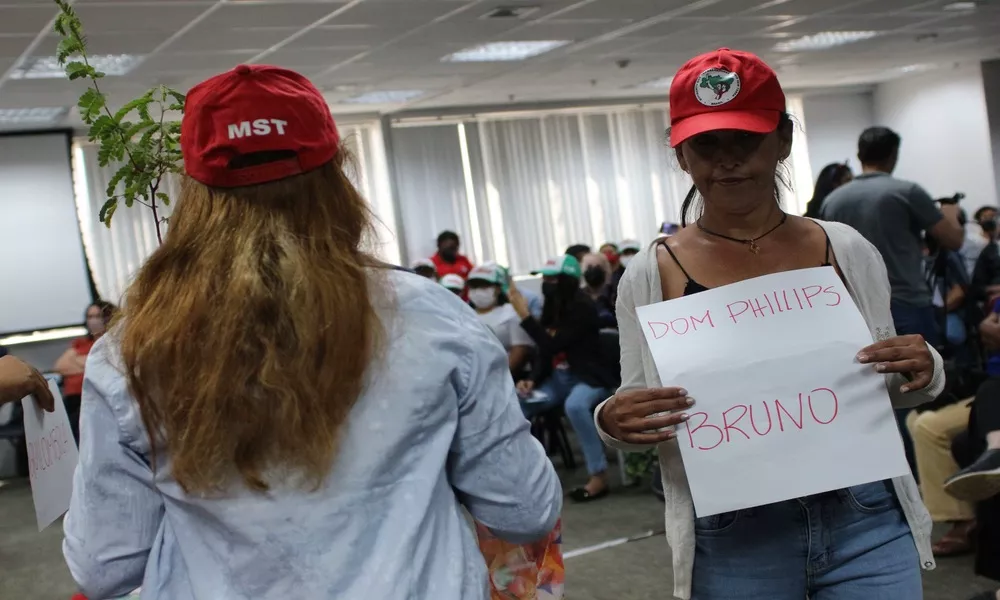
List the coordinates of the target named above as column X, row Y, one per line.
column 918, row 68
column 38, row 115
column 48, row 67
column 960, row 6
column 385, row 97
column 504, row 51
column 824, row 40
column 658, row 83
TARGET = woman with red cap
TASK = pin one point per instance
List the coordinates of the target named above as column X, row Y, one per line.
column 278, row 415
column 731, row 134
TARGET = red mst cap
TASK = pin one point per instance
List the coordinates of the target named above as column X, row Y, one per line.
column 724, row 89
column 255, row 124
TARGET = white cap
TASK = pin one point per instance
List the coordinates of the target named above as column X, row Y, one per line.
column 423, row 262
column 453, row 282
column 627, row 245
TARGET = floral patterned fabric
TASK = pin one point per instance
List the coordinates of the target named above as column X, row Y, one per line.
column 524, row 572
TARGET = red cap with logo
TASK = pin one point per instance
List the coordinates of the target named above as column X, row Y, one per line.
column 255, row 124
column 724, row 89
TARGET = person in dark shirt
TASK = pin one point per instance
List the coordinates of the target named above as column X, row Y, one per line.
column 830, row 178
column 571, row 369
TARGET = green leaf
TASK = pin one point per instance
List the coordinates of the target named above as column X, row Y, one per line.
column 68, row 46
column 91, row 103
column 107, row 211
column 78, row 70
column 142, row 101
column 101, row 127
column 163, row 197
column 115, row 180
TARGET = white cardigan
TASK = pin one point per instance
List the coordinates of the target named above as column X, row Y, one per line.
column 868, row 285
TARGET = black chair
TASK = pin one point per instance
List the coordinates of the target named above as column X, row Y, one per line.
column 548, row 428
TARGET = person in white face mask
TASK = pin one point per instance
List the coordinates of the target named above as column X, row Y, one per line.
column 486, row 294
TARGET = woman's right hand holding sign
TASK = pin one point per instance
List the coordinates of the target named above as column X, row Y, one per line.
column 645, row 416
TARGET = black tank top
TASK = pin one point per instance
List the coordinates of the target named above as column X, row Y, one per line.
column 693, row 287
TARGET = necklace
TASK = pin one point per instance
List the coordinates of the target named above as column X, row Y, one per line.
column 752, row 242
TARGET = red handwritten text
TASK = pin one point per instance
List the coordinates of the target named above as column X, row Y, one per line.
column 681, row 325
column 740, row 420
column 48, row 449
column 781, row 301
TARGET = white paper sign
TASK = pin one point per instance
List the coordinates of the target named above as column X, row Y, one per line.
column 783, row 409
column 52, row 457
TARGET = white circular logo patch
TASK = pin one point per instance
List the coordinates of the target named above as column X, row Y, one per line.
column 716, row 87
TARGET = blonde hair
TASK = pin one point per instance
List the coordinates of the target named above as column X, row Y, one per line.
column 247, row 335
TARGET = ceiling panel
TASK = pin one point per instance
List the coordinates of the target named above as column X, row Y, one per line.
column 25, row 19
column 13, row 46
column 207, row 38
column 174, row 62
column 141, row 42
column 310, row 60
column 342, row 35
column 623, row 9
column 285, row 14
column 138, row 16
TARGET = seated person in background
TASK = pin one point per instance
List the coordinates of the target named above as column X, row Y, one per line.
column 487, row 296
column 948, row 281
column 18, row 379
column 578, row 251
column 978, row 234
column 535, row 302
column 571, row 370
column 453, row 282
column 981, row 479
column 611, row 252
column 448, row 260
column 71, row 364
column 313, row 431
column 986, row 273
column 629, row 248
column 596, row 283
column 425, row 268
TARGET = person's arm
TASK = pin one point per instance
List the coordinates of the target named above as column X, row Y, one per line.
column 70, row 363
column 633, row 375
column 115, row 511
column 873, row 301
column 955, row 298
column 517, row 357
column 942, row 224
column 498, row 469
column 18, row 379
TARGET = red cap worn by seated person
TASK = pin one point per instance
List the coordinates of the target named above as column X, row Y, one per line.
column 255, row 124
column 724, row 89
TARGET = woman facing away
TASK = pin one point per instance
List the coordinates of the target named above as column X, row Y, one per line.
column 830, row 178
column 278, row 415
column 866, row 542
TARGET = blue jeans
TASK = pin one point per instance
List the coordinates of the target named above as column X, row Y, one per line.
column 578, row 400
column 910, row 320
column 851, row 544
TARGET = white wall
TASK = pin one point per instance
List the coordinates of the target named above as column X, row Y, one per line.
column 833, row 123
column 941, row 116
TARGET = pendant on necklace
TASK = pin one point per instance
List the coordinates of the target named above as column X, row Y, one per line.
column 754, row 248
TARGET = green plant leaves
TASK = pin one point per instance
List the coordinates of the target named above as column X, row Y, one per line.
column 91, row 103
column 144, row 147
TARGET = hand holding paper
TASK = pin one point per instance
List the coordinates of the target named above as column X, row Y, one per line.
column 645, row 416
column 906, row 354
column 52, row 457
column 18, row 380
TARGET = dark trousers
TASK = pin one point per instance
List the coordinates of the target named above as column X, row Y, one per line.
column 912, row 320
column 966, row 448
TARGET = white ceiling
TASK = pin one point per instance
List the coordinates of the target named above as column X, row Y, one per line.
column 351, row 46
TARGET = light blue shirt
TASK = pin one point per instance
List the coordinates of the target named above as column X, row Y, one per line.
column 437, row 428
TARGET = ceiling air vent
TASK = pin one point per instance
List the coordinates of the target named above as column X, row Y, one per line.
column 510, row 12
